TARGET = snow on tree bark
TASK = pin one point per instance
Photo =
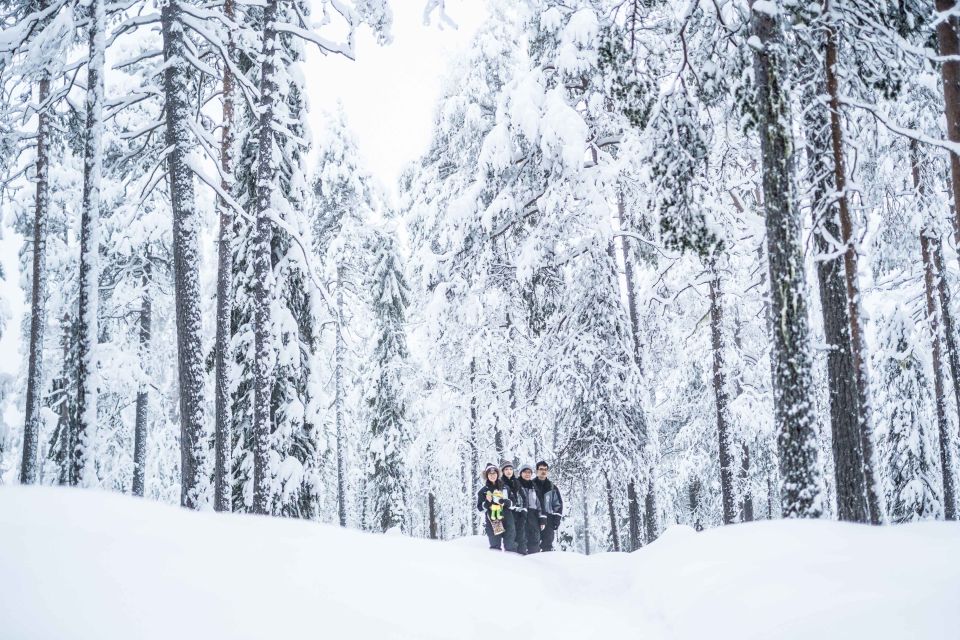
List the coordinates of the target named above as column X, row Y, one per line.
column 338, row 400
column 143, row 395
column 263, row 268
column 223, row 414
column 793, row 402
column 90, row 248
column 612, row 514
column 29, row 466
column 186, row 259
column 721, row 399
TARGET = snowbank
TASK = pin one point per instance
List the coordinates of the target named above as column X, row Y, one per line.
column 83, row 564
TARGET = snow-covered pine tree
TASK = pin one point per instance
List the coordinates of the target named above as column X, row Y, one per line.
column 388, row 420
column 911, row 483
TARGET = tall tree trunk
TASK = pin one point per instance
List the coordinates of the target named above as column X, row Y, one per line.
column 143, row 397
column 650, row 513
column 586, row 519
column 339, row 399
column 634, row 315
column 746, row 506
column 224, row 417
column 930, row 276
column 852, row 281
column 720, row 396
column 432, row 509
column 949, row 43
column 474, row 449
column 930, row 249
column 32, row 420
column 66, row 424
column 186, row 258
column 792, row 383
column 612, row 513
column 746, row 497
column 946, row 314
column 263, row 269
column 90, row 249
column 633, row 510
column 849, row 476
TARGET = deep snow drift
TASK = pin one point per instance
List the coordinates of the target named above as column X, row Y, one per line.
column 84, row 564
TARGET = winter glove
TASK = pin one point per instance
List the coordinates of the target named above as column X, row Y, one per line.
column 506, row 502
column 487, row 504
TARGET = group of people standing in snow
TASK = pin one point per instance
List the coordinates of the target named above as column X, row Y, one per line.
column 521, row 513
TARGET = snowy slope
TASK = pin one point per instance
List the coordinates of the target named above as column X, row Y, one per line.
column 82, row 564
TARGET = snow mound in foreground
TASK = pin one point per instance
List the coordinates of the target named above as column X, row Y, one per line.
column 84, row 564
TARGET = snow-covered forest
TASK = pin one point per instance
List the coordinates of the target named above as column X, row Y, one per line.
column 700, row 255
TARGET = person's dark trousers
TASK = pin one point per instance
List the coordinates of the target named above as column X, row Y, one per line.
column 530, row 532
column 546, row 537
column 509, row 531
column 488, row 529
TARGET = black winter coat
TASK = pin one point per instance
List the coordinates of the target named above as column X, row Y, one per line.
column 528, row 499
column 483, row 504
column 550, row 500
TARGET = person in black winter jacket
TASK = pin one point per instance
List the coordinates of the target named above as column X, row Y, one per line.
column 510, row 514
column 551, row 505
column 493, row 492
column 529, row 520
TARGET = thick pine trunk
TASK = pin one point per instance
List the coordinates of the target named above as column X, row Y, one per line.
column 338, row 407
column 946, row 314
column 31, row 429
column 930, row 277
column 186, row 257
column 612, row 514
column 90, row 249
column 851, row 279
column 948, row 38
column 849, row 477
column 935, row 289
column 792, row 383
column 720, row 396
column 143, row 398
column 263, row 268
column 224, row 417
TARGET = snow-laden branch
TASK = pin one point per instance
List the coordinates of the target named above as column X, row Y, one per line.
column 326, row 45
column 906, row 132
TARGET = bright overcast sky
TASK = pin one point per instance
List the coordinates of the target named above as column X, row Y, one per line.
column 389, row 92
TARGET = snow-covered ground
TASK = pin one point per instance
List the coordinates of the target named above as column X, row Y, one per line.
column 82, row 564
